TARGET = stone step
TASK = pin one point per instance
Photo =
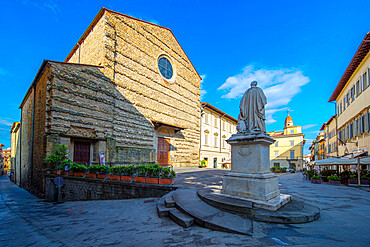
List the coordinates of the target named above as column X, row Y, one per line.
column 180, row 218
column 188, row 201
column 169, row 201
column 162, row 210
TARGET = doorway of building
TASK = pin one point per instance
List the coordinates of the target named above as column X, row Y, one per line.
column 215, row 163
column 81, row 152
column 163, row 151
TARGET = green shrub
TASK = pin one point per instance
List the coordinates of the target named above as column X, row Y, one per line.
column 334, row 178
column 74, row 167
column 327, row 172
column 57, row 157
column 316, row 177
column 203, row 163
column 97, row 169
column 283, row 169
column 311, row 173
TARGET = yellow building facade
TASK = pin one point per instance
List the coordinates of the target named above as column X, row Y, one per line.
column 352, row 96
column 216, row 128
column 287, row 151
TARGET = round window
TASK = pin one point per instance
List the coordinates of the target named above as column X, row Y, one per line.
column 165, row 68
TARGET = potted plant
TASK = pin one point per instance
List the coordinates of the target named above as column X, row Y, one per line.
column 283, row 169
column 114, row 173
column 316, row 179
column 99, row 171
column 77, row 169
column 334, row 179
column 273, row 169
column 167, row 176
column 126, row 173
column 203, row 164
column 58, row 159
column 353, row 179
column 364, row 179
column 152, row 174
column 140, row 173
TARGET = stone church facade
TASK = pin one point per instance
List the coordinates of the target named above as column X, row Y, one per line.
column 126, row 89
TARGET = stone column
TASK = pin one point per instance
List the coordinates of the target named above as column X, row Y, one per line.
column 250, row 176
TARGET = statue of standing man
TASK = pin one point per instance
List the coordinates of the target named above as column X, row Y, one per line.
column 252, row 110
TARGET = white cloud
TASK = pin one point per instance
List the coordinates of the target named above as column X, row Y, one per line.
column 270, row 112
column 315, row 132
column 308, row 126
column 5, row 122
column 202, row 91
column 279, row 85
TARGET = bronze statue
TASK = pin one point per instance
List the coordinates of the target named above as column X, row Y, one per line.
column 252, row 110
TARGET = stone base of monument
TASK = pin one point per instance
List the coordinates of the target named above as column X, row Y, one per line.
column 260, row 189
column 289, row 212
column 250, row 177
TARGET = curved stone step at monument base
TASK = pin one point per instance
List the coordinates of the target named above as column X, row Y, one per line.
column 180, row 218
column 293, row 212
column 188, row 201
column 162, row 210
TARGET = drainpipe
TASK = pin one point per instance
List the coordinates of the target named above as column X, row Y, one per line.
column 33, row 128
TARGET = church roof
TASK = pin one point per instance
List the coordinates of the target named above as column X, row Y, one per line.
column 96, row 20
column 360, row 54
column 288, row 120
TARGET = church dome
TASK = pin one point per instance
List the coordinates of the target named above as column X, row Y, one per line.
column 288, row 121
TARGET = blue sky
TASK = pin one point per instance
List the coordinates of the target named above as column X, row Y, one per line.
column 297, row 51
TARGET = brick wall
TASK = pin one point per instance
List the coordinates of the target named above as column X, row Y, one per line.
column 80, row 189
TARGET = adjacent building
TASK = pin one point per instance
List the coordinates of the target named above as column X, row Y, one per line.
column 352, row 96
column 216, row 128
column 1, row 159
column 330, row 137
column 6, row 157
column 15, row 153
column 287, row 151
column 127, row 89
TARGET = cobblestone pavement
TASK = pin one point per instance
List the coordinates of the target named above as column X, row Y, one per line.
column 28, row 221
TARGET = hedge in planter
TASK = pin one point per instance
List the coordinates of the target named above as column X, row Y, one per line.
column 99, row 170
column 334, row 179
column 316, row 179
column 77, row 169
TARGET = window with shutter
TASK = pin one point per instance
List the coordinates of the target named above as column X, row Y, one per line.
column 357, row 88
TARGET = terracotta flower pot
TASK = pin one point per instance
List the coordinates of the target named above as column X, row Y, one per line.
column 364, row 181
column 101, row 176
column 139, row 179
column 54, row 172
column 64, row 172
column 352, row 181
column 78, row 174
column 114, row 177
column 166, row 181
column 150, row 180
column 91, row 175
column 334, row 182
column 126, row 178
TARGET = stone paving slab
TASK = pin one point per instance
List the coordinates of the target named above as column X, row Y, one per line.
column 28, row 221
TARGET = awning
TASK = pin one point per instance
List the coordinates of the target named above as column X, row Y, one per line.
column 342, row 161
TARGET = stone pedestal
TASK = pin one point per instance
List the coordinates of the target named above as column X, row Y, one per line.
column 250, row 176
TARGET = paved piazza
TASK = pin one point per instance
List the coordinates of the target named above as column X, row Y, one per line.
column 28, row 221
